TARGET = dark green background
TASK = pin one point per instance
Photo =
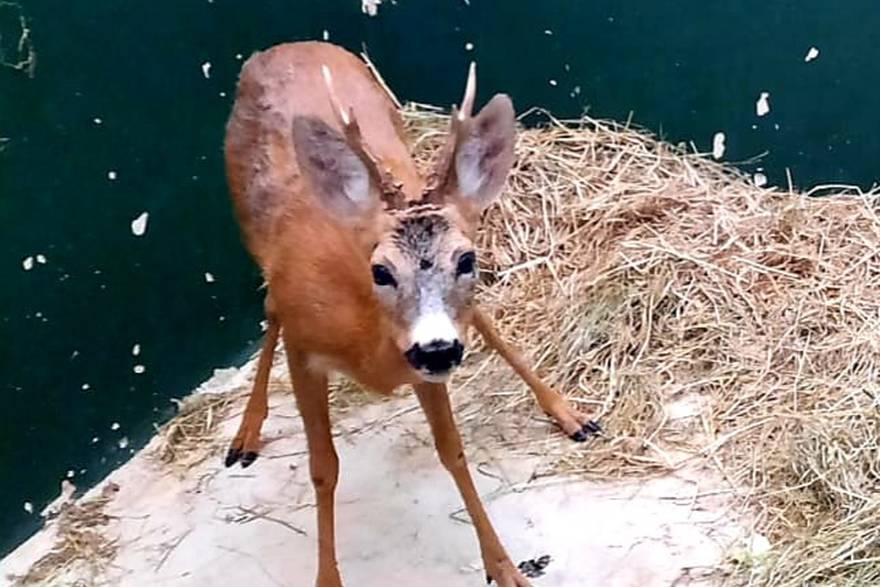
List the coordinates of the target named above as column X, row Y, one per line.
column 685, row 68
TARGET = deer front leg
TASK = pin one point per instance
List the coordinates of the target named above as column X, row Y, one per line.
column 246, row 444
column 435, row 403
column 576, row 424
column 312, row 399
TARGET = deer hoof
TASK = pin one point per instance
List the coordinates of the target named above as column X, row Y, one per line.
column 590, row 428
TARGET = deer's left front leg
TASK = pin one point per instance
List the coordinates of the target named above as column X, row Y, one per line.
column 435, row 403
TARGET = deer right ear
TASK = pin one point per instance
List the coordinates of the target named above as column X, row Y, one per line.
column 338, row 176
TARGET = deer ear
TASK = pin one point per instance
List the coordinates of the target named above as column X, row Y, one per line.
column 484, row 153
column 338, row 177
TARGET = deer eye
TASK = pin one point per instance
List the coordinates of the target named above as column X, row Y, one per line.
column 466, row 263
column 382, row 276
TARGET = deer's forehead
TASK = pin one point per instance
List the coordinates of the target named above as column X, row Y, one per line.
column 421, row 234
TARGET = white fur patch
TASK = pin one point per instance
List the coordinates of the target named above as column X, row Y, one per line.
column 434, row 325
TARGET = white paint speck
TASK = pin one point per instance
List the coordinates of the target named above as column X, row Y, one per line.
column 85, row 387
column 95, row 439
column 813, row 53
column 41, row 259
column 370, row 7
column 206, row 69
column 123, row 442
column 27, row 263
column 468, row 46
column 239, row 56
column 139, row 224
column 762, row 106
column 718, row 145
column 28, row 507
column 114, row 426
column 548, row 32
column 139, row 369
column 325, row 35
column 70, row 473
column 760, row 180
column 222, row 94
column 209, row 277
column 553, row 83
column 136, row 349
column 38, row 315
column 264, row 325
column 111, row 175
column 97, row 121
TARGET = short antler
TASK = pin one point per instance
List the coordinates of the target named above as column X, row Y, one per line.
column 391, row 191
column 459, row 116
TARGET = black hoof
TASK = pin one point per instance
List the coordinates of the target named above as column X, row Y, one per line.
column 232, row 456
column 534, row 568
column 488, row 579
column 589, row 429
column 247, row 459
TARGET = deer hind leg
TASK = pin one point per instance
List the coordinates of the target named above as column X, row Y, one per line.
column 246, row 444
column 312, row 399
column 435, row 404
column 576, row 424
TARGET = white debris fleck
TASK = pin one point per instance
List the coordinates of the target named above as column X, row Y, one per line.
column 813, row 53
column 123, row 442
column 264, row 325
column 548, row 32
column 139, row 224
column 370, row 7
column 136, row 349
column 209, row 277
column 97, row 120
column 239, row 56
column 222, row 94
column 468, row 46
column 325, row 35
column 139, row 369
column 95, row 440
column 28, row 507
column 41, row 259
column 27, row 263
column 206, row 69
column 553, row 83
column 760, row 180
column 576, row 90
column 762, row 106
column 85, row 387
column 718, row 146
column 111, row 175
column 70, row 473
column 114, row 426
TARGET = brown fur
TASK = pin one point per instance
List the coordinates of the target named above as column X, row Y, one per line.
column 315, row 225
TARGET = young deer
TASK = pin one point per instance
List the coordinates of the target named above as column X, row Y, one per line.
column 371, row 269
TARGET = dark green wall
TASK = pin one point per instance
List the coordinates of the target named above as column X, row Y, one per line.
column 686, row 68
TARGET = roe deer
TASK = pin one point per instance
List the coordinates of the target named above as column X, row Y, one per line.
column 370, row 268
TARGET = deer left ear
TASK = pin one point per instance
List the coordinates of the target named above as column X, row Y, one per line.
column 484, row 153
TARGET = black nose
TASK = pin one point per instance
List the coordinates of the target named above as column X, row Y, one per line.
column 439, row 356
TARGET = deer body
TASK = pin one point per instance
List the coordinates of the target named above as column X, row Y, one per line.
column 370, row 268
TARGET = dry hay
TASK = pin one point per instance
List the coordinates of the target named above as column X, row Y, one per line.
column 80, row 547
column 638, row 275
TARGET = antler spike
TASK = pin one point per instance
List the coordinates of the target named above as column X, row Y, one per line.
column 391, row 193
column 470, row 93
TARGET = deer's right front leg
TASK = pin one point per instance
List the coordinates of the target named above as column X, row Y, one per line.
column 312, row 395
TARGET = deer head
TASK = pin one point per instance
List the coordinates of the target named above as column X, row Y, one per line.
column 421, row 253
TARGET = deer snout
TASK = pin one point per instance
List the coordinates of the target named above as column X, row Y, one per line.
column 438, row 357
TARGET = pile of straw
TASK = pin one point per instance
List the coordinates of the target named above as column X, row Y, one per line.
column 637, row 274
